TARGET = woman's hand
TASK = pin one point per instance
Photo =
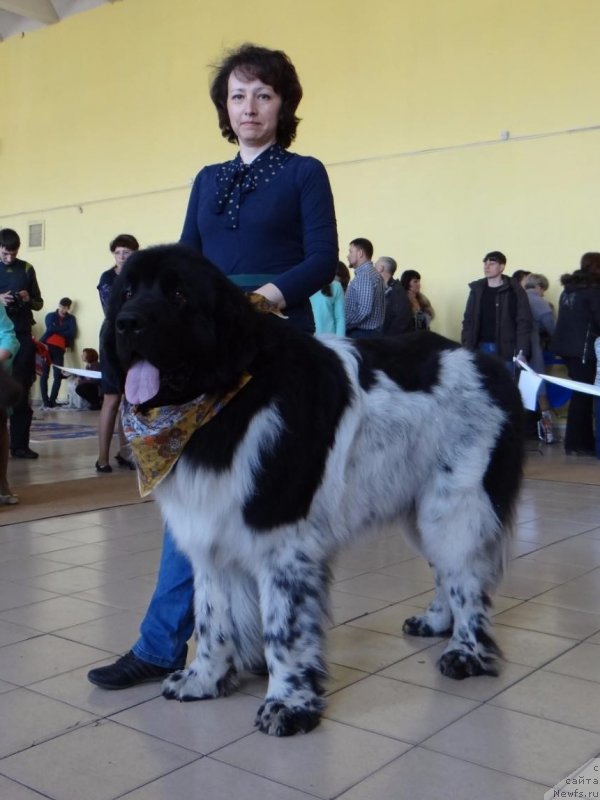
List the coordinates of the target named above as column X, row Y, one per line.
column 273, row 295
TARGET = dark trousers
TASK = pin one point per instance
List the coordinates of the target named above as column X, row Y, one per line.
column 57, row 356
column 90, row 391
column 24, row 373
column 579, row 434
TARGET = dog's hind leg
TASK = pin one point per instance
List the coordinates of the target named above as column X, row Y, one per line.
column 294, row 597
column 465, row 545
column 213, row 673
column 437, row 619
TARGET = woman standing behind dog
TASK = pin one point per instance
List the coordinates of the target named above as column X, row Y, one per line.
column 267, row 220
column 121, row 247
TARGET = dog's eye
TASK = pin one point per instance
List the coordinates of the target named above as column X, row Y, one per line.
column 127, row 294
column 179, row 295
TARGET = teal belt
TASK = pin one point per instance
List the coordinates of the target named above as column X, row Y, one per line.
column 251, row 280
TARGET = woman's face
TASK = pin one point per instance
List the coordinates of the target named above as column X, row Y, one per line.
column 253, row 109
column 121, row 255
column 415, row 285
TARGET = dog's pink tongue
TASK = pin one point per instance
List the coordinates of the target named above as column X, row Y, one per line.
column 142, row 382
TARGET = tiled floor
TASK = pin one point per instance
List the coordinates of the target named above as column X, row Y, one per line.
column 73, row 588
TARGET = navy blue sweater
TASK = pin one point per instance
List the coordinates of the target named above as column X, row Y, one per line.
column 286, row 231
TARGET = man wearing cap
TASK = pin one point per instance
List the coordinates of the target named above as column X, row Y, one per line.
column 497, row 317
column 61, row 329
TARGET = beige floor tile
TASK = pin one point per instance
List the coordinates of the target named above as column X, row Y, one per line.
column 531, row 567
column 59, row 612
column 421, row 669
column 45, row 656
column 128, row 565
column 547, row 530
column 203, row 727
column 73, row 687
column 115, row 633
column 98, row 762
column 69, row 581
column 579, row 550
column 580, row 594
column 53, row 525
column 340, row 677
column 383, row 587
column 389, row 619
column 422, row 775
column 528, row 747
column 561, row 698
column 345, row 606
column 34, row 545
column 414, row 569
column 10, row 633
column 524, row 587
column 392, row 708
column 130, row 593
column 14, row 595
column 28, row 719
column 329, row 760
column 16, row 568
column 555, row 620
column 368, row 650
column 85, row 554
column 583, row 661
column 529, row 647
column 521, row 547
column 14, row 791
column 217, row 782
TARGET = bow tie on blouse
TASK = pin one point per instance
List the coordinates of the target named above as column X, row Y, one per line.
column 235, row 180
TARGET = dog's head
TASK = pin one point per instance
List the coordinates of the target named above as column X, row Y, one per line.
column 177, row 327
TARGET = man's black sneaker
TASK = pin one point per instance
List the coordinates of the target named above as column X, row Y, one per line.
column 127, row 671
column 24, row 452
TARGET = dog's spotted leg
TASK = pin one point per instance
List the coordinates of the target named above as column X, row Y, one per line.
column 471, row 650
column 437, row 620
column 213, row 673
column 463, row 539
column 294, row 596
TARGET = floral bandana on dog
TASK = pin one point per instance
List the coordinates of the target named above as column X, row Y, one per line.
column 158, row 436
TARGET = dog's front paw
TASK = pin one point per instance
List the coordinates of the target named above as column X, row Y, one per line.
column 420, row 626
column 187, row 685
column 459, row 664
column 277, row 719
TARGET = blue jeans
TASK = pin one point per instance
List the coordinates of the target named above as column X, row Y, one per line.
column 169, row 620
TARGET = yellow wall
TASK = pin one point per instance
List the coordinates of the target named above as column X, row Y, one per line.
column 106, row 119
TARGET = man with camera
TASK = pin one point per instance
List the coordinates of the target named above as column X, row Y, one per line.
column 20, row 295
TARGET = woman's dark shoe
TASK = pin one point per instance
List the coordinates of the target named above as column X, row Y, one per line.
column 124, row 462
column 127, row 671
column 104, row 468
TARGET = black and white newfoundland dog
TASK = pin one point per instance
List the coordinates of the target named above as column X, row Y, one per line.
column 328, row 440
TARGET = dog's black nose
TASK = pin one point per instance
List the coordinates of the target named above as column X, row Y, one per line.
column 130, row 322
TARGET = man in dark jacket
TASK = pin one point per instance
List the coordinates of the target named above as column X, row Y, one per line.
column 497, row 317
column 398, row 317
column 20, row 295
column 577, row 326
column 61, row 330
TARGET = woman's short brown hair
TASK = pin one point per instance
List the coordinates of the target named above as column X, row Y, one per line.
column 124, row 240
column 272, row 67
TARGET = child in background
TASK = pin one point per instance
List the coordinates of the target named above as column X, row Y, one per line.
column 89, row 388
